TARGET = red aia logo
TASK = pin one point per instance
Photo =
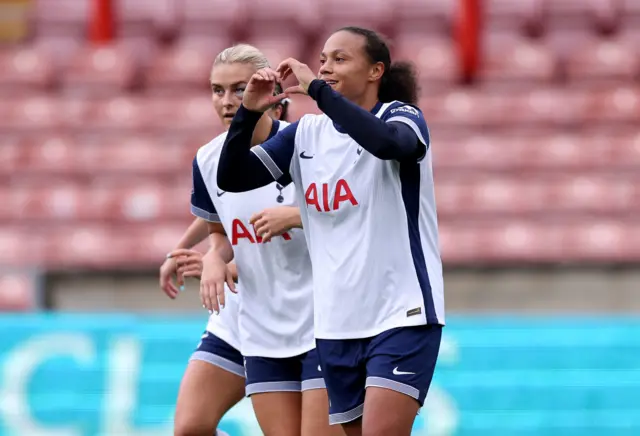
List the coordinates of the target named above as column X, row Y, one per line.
column 239, row 231
column 341, row 193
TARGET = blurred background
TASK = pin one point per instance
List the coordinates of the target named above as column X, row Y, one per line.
column 534, row 111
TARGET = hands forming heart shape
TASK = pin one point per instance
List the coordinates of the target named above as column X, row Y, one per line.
column 259, row 94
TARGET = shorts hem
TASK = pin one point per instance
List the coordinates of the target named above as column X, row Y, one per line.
column 218, row 361
column 314, row 383
column 348, row 416
column 278, row 386
column 385, row 383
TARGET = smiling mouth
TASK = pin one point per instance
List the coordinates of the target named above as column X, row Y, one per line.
column 331, row 82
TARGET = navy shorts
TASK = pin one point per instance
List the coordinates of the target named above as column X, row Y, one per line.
column 289, row 374
column 402, row 359
column 217, row 352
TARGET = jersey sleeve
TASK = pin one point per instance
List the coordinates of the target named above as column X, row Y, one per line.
column 412, row 117
column 277, row 152
column 201, row 203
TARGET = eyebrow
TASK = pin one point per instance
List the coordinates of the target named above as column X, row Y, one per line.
column 242, row 82
column 334, row 52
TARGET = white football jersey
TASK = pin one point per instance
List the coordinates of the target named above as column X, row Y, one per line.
column 371, row 226
column 275, row 316
column 225, row 324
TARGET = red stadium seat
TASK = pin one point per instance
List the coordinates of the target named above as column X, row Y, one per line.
column 101, row 71
column 117, row 114
column 287, row 16
column 376, row 14
column 514, row 16
column 582, row 15
column 433, row 56
column 55, row 18
column 620, row 105
column 604, row 60
column 219, row 18
column 31, row 113
column 516, row 62
column 277, row 46
column 185, row 66
column 300, row 106
column 147, row 18
column 12, row 152
column 426, row 17
column 190, row 113
column 24, row 70
column 17, row 291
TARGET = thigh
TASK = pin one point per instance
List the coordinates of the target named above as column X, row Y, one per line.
column 343, row 367
column 278, row 413
column 315, row 414
column 208, row 390
column 400, row 367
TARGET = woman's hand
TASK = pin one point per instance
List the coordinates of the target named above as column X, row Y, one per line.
column 168, row 271
column 301, row 71
column 258, row 96
column 189, row 262
column 275, row 221
column 215, row 274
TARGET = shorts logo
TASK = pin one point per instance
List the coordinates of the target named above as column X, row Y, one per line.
column 319, row 369
column 415, row 311
column 396, row 372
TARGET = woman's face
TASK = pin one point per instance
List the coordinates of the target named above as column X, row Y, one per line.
column 345, row 65
column 228, row 82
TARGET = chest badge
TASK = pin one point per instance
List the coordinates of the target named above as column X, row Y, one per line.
column 279, row 198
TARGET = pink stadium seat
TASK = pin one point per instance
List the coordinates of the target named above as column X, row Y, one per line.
column 582, row 15
column 147, row 18
column 620, row 105
column 428, row 17
column 55, row 18
column 433, row 56
column 284, row 15
column 511, row 62
column 300, row 106
column 377, row 14
column 514, row 16
column 604, row 60
column 219, row 18
column 117, row 114
column 30, row 113
column 186, row 65
column 12, row 153
column 189, row 113
column 24, row 70
column 101, row 71
column 48, row 154
column 278, row 46
column 17, row 291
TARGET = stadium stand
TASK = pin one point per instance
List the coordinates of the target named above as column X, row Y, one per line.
column 535, row 161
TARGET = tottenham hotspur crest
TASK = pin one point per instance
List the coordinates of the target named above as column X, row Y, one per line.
column 279, row 198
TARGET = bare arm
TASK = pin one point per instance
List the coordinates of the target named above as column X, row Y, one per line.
column 195, row 233
column 219, row 242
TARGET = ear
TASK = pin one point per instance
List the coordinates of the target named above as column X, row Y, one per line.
column 376, row 71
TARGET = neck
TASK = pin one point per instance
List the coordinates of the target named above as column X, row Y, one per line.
column 367, row 101
column 262, row 130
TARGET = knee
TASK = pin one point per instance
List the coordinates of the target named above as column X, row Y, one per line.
column 193, row 428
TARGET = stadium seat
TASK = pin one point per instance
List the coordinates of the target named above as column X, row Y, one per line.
column 277, row 45
column 603, row 60
column 288, row 16
column 61, row 18
column 152, row 19
column 427, row 17
column 433, row 56
column 376, row 14
column 523, row 16
column 30, row 113
column 185, row 66
column 190, row 113
column 17, row 291
column 219, row 18
column 25, row 70
column 301, row 105
column 101, row 71
column 587, row 16
column 513, row 62
column 116, row 114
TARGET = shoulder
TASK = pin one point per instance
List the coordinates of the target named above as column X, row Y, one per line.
column 399, row 108
column 209, row 153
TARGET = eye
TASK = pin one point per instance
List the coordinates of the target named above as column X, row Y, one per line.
column 339, row 59
column 323, row 61
column 218, row 91
column 239, row 92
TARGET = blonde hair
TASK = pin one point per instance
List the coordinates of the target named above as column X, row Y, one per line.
column 242, row 54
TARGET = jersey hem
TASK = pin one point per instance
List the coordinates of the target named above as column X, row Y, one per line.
column 280, row 354
column 362, row 334
column 225, row 336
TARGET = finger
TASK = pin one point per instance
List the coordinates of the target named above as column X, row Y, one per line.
column 295, row 90
column 208, row 303
column 256, row 216
column 271, row 74
column 230, row 282
column 261, row 226
column 213, row 297
column 285, row 65
column 181, row 252
column 220, row 295
column 180, row 281
column 273, row 99
column 191, row 271
column 188, row 260
column 267, row 236
column 170, row 290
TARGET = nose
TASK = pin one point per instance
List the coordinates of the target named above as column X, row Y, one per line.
column 325, row 69
column 227, row 99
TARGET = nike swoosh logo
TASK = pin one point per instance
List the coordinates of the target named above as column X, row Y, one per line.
column 359, row 151
column 319, row 369
column 304, row 156
column 221, row 193
column 396, row 372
